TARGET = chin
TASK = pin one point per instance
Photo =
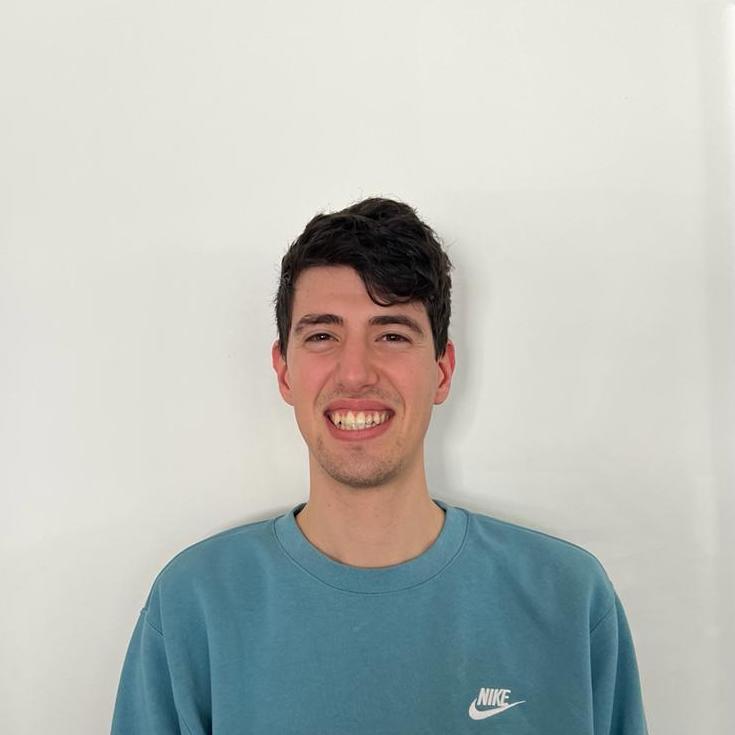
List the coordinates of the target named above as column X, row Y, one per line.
column 370, row 478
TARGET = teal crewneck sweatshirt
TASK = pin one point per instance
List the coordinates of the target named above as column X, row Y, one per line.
column 493, row 629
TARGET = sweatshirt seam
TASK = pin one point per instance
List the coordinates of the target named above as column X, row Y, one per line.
column 163, row 638
column 148, row 622
column 603, row 618
column 371, row 593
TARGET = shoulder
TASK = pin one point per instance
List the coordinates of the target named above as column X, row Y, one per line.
column 208, row 568
column 508, row 537
column 239, row 542
column 544, row 564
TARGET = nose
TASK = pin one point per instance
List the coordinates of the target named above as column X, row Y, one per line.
column 355, row 365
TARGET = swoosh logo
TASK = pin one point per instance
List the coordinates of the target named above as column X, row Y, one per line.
column 477, row 714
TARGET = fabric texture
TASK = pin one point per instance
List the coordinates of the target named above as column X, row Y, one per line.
column 254, row 630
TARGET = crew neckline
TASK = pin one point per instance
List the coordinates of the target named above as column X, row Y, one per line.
column 371, row 580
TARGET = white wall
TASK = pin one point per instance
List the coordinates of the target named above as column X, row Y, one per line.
column 156, row 160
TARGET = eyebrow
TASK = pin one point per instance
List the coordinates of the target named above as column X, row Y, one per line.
column 310, row 319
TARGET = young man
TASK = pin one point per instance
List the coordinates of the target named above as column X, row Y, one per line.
column 374, row 608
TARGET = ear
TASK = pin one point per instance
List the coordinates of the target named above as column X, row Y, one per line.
column 279, row 365
column 445, row 370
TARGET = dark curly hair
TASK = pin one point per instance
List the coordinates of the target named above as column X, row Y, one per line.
column 398, row 257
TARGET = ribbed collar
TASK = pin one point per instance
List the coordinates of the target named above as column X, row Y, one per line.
column 378, row 579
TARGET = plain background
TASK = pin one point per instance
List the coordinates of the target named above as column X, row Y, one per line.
column 157, row 158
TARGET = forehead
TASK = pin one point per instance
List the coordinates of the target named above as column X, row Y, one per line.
column 340, row 289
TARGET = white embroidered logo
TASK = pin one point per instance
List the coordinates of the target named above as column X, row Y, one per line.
column 496, row 699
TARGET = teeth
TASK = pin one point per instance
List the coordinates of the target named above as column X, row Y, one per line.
column 350, row 421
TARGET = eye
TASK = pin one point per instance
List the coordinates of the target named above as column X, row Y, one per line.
column 314, row 337
column 399, row 337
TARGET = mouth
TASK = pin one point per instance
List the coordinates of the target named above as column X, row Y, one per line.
column 348, row 420
column 358, row 425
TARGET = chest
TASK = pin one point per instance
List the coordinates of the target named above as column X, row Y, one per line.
column 374, row 667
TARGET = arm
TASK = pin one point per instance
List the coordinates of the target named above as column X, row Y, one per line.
column 616, row 693
column 145, row 701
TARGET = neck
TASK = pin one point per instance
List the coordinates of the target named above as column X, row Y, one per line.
column 371, row 527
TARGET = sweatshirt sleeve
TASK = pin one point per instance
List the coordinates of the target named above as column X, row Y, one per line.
column 616, row 692
column 145, row 701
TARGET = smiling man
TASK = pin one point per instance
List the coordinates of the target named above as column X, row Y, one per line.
column 362, row 379
column 374, row 607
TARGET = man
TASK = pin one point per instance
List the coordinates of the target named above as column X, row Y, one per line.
column 374, row 608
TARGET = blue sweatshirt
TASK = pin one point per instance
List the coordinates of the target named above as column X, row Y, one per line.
column 493, row 629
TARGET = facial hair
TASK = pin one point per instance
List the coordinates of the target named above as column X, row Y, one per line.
column 356, row 469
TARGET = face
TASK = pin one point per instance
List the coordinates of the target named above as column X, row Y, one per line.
column 356, row 358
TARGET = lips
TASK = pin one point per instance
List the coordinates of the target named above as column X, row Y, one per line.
column 355, row 405
column 351, row 421
column 360, row 434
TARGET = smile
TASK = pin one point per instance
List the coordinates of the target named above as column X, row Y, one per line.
column 359, row 420
column 352, row 426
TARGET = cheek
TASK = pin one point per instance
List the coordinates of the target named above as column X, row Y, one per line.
column 307, row 419
column 307, row 386
column 418, row 390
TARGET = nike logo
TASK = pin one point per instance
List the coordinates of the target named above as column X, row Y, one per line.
column 477, row 714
